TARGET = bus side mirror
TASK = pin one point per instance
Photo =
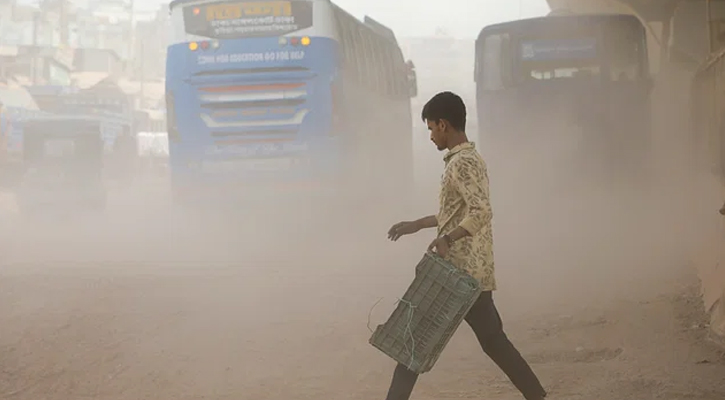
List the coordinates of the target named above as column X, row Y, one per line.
column 412, row 81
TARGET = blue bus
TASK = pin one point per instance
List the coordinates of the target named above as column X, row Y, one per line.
column 285, row 94
column 551, row 81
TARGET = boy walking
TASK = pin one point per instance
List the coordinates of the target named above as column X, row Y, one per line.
column 465, row 239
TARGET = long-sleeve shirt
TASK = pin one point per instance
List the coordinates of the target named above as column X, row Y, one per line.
column 464, row 201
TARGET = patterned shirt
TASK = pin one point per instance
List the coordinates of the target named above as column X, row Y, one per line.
column 464, row 202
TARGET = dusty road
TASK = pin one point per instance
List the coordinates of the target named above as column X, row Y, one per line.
column 169, row 308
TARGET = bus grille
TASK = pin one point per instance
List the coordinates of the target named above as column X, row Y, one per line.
column 254, row 112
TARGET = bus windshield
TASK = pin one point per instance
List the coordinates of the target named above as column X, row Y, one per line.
column 246, row 19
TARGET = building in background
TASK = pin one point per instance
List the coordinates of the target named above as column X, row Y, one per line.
column 36, row 65
column 149, row 61
column 97, row 60
column 136, row 33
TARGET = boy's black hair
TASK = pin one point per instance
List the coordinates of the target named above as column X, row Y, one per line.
column 448, row 106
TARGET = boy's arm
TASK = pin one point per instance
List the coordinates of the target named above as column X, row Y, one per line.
column 472, row 182
column 430, row 221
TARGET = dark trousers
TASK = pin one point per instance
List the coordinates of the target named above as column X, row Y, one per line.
column 486, row 324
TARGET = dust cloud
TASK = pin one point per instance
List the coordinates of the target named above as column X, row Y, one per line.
column 151, row 300
column 578, row 225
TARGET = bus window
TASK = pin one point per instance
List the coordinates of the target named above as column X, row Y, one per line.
column 342, row 40
column 380, row 74
column 493, row 62
column 384, row 60
column 350, row 52
column 401, row 74
column 371, row 66
column 390, row 72
column 385, row 68
column 348, row 45
column 359, row 46
column 354, row 53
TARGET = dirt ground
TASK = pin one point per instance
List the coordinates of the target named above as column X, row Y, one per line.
column 594, row 290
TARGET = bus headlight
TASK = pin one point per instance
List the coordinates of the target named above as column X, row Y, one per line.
column 305, row 41
column 193, row 46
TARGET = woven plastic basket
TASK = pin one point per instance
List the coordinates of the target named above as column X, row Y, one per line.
column 428, row 315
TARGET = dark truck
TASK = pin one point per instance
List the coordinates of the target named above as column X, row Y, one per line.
column 63, row 163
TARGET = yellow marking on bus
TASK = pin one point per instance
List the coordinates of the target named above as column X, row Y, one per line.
column 239, row 10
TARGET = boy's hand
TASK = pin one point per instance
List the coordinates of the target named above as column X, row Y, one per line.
column 401, row 229
column 440, row 245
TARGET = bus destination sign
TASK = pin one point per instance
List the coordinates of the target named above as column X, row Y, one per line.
column 243, row 19
column 547, row 50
